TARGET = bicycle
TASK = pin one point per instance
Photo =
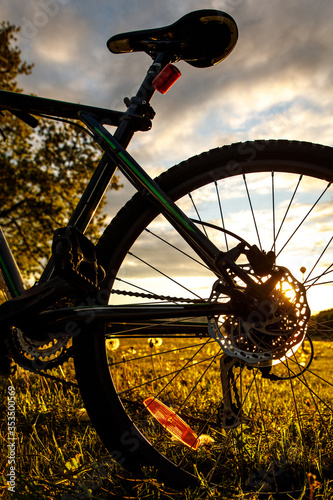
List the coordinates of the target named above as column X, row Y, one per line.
column 213, row 336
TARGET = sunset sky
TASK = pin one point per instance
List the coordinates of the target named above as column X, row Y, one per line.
column 277, row 83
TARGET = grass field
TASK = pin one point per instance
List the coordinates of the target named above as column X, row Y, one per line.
column 59, row 456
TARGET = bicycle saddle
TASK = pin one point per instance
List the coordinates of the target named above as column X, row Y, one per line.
column 201, row 38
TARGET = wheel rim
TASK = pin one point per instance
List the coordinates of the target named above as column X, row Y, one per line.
column 280, row 412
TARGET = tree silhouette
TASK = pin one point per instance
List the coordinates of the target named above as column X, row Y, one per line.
column 43, row 172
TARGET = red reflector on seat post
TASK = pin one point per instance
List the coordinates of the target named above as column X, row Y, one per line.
column 166, row 78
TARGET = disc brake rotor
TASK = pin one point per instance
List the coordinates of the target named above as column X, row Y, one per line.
column 271, row 330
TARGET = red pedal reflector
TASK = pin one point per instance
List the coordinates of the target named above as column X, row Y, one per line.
column 172, row 422
column 166, row 78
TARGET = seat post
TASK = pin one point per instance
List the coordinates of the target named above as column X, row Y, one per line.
column 106, row 169
column 126, row 129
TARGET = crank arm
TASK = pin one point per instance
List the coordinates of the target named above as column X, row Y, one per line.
column 17, row 310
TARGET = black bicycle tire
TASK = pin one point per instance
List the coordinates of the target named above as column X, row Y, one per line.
column 124, row 442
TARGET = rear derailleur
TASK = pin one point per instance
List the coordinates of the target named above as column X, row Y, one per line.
column 230, row 411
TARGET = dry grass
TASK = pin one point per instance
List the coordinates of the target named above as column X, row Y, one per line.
column 59, row 455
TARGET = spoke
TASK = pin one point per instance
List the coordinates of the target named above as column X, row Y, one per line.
column 273, row 212
column 296, row 410
column 176, row 248
column 218, row 460
column 303, row 220
column 164, row 275
column 197, row 212
column 321, row 283
column 323, row 380
column 317, row 278
column 239, row 376
column 288, row 208
column 260, row 407
column 252, row 211
column 324, row 329
column 311, row 392
column 240, row 411
column 221, row 214
column 263, row 420
column 286, row 364
column 315, row 265
column 175, row 373
column 178, row 412
column 199, row 380
column 185, row 367
column 176, row 349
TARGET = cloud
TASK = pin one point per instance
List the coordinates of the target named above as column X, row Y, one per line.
column 61, row 45
column 275, row 84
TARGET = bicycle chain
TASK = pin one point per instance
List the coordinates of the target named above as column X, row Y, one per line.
column 28, row 364
column 156, row 297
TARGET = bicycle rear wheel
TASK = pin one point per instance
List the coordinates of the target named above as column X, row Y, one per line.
column 267, row 424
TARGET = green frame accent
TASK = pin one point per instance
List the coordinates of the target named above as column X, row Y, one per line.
column 9, row 278
column 136, row 169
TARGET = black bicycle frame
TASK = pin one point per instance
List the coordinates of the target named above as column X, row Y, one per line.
column 135, row 118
